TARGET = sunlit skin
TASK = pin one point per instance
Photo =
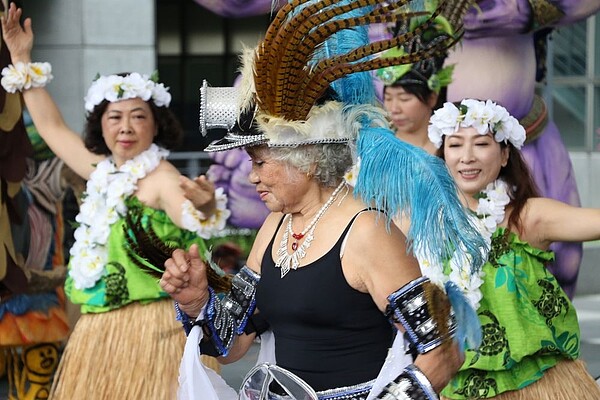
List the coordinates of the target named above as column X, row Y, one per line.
column 128, row 128
column 409, row 115
column 474, row 160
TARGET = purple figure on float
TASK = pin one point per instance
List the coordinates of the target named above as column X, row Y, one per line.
column 230, row 171
column 238, row 8
column 497, row 60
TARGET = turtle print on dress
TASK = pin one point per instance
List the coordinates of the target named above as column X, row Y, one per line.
column 116, row 284
column 494, row 339
column 551, row 301
column 477, row 386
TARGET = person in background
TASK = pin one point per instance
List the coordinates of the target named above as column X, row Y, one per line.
column 411, row 92
column 130, row 184
column 530, row 344
column 33, row 321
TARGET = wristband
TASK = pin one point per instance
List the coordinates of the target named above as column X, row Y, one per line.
column 22, row 76
column 195, row 221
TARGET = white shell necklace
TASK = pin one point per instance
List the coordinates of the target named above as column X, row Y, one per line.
column 287, row 261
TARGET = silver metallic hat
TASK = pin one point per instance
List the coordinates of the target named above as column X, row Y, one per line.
column 220, row 109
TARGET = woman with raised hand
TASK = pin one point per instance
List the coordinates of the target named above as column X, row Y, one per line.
column 125, row 343
column 530, row 344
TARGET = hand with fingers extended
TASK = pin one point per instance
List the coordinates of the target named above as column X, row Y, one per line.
column 201, row 192
column 18, row 39
column 185, row 280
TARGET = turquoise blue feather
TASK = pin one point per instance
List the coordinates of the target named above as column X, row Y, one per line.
column 402, row 179
column 468, row 333
column 354, row 88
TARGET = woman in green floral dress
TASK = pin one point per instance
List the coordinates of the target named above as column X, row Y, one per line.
column 530, row 345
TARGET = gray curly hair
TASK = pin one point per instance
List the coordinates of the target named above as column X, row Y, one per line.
column 327, row 162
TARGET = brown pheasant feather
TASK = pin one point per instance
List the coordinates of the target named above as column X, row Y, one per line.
column 302, row 46
column 149, row 252
column 288, row 78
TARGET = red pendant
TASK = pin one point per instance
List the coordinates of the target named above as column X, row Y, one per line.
column 297, row 236
column 295, row 246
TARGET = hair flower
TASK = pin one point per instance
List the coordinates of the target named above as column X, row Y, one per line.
column 483, row 116
column 116, row 87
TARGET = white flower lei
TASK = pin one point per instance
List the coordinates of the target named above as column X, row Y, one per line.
column 490, row 212
column 115, row 87
column 483, row 116
column 103, row 204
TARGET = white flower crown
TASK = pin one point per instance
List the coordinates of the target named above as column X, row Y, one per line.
column 115, row 87
column 483, row 116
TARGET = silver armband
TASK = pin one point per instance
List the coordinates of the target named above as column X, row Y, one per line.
column 427, row 325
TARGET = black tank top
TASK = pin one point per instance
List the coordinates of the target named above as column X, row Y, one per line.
column 326, row 332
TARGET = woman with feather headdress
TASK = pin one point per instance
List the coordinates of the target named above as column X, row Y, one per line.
column 329, row 285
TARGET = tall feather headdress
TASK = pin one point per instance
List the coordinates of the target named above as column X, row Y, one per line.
column 307, row 82
column 312, row 47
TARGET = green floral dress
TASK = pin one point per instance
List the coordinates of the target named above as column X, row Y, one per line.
column 528, row 322
column 124, row 281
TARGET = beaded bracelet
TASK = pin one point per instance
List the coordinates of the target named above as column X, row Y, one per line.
column 22, row 76
column 186, row 321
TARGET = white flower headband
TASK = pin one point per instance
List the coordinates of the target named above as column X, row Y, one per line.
column 115, row 87
column 483, row 116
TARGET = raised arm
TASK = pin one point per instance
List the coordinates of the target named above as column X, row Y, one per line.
column 548, row 220
column 64, row 142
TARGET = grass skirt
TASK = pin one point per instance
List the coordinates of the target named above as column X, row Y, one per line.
column 129, row 353
column 568, row 380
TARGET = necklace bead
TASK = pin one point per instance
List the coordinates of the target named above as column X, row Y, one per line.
column 287, row 261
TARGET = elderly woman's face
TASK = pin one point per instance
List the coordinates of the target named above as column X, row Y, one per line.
column 474, row 160
column 279, row 185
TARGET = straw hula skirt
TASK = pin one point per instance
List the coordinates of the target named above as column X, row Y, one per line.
column 130, row 353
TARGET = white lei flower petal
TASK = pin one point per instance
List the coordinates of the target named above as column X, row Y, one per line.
column 194, row 221
column 103, row 204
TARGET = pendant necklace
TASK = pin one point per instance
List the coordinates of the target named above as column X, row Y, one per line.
column 287, row 261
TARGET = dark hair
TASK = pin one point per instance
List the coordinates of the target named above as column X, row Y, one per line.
column 420, row 90
column 170, row 132
column 517, row 176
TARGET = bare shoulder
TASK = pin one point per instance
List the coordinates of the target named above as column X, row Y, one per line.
column 262, row 240
column 376, row 258
column 538, row 210
column 160, row 184
column 371, row 225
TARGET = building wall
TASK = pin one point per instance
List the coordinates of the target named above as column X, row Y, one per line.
column 82, row 38
column 587, row 173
